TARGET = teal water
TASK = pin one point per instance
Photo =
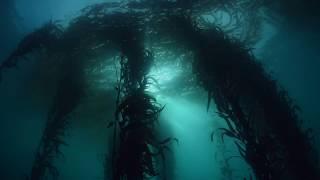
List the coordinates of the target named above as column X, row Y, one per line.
column 290, row 53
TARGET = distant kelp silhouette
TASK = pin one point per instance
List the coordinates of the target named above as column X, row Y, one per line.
column 68, row 96
column 259, row 114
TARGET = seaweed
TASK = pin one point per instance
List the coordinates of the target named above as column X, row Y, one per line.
column 138, row 144
column 45, row 37
column 136, row 115
column 68, row 96
column 264, row 117
column 96, row 25
column 260, row 116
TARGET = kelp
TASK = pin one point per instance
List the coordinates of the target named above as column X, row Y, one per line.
column 244, row 16
column 69, row 92
column 136, row 115
column 72, row 43
column 44, row 37
column 96, row 25
column 245, row 21
column 138, row 146
column 55, row 40
column 260, row 116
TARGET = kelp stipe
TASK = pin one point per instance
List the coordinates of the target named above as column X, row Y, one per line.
column 45, row 37
column 69, row 92
column 138, row 144
column 137, row 113
column 260, row 115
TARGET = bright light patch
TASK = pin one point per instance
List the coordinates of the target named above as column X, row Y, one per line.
column 162, row 75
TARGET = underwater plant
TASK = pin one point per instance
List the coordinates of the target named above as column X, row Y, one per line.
column 260, row 116
column 138, row 144
column 68, row 95
column 136, row 115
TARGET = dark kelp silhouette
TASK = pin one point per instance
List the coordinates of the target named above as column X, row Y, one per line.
column 138, row 144
column 136, row 115
column 42, row 38
column 68, row 96
column 96, row 24
column 259, row 114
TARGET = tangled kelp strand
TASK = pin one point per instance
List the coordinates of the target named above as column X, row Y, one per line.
column 68, row 95
column 259, row 115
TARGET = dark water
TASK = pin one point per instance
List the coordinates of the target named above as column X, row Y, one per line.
column 288, row 50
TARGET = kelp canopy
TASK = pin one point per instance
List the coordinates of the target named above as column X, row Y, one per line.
column 260, row 116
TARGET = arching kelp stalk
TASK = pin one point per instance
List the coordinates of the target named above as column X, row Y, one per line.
column 68, row 96
column 45, row 37
column 118, row 31
column 91, row 29
column 69, row 90
column 258, row 114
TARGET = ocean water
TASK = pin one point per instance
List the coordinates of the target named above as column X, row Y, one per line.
column 286, row 44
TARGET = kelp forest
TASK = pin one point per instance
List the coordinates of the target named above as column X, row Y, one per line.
column 111, row 61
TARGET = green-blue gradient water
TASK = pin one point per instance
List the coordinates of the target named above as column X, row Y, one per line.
column 290, row 53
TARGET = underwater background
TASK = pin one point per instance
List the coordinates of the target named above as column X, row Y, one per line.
column 286, row 43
